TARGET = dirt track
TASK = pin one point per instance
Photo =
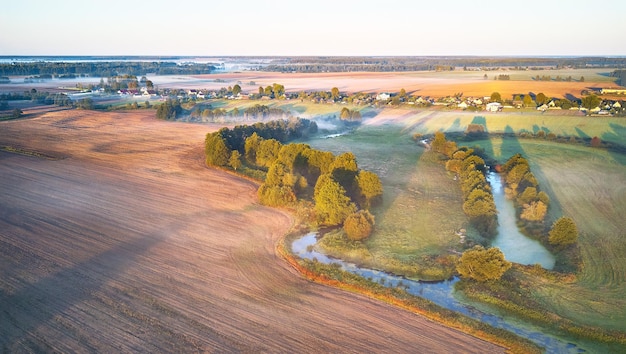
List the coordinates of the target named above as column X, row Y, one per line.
column 127, row 243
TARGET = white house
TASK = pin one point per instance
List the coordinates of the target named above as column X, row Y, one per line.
column 493, row 107
column 383, row 96
column 462, row 105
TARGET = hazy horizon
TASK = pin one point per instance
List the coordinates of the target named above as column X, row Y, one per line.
column 261, row 28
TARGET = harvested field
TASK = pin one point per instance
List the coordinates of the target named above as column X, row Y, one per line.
column 423, row 83
column 122, row 241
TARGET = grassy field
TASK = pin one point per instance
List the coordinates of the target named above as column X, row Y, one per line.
column 421, row 209
column 611, row 129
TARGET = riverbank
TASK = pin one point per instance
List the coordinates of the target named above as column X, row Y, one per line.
column 330, row 275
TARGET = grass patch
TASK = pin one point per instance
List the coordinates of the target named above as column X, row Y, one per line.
column 417, row 223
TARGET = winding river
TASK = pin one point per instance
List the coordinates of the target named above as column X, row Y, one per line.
column 441, row 293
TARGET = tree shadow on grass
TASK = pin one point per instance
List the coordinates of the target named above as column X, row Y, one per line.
column 455, row 127
column 582, row 134
column 511, row 146
column 617, row 141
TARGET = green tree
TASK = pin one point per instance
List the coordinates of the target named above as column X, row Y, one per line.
column 235, row 160
column 528, row 101
column 359, row 226
column 564, row 232
column 216, row 151
column 16, row 113
column 251, row 146
column 496, row 97
column 332, row 205
column 236, row 90
column 275, row 195
column 319, row 163
column 370, row 188
column 267, row 152
column 278, row 90
column 541, row 98
column 334, row 93
column 344, row 170
column 590, row 102
column 482, row 264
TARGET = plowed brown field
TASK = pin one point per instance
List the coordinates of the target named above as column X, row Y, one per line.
column 122, row 241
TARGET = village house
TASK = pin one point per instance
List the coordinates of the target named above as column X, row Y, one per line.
column 493, row 107
column 383, row 96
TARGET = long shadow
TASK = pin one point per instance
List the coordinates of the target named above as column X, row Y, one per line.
column 480, row 140
column 24, row 311
column 582, row 134
column 455, row 127
column 617, row 139
column 512, row 146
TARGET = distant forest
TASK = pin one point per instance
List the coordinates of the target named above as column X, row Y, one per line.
column 101, row 69
column 382, row 64
column 621, row 77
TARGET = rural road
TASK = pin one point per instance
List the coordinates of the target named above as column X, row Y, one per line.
column 125, row 242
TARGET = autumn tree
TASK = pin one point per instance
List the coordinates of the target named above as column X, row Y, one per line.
column 358, row 226
column 595, row 142
column 564, row 232
column 439, row 142
column 334, row 93
column 534, row 211
column 482, row 264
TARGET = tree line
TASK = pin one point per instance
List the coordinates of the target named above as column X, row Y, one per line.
column 102, row 69
column 478, row 203
column 532, row 207
column 478, row 263
column 386, row 64
column 341, row 193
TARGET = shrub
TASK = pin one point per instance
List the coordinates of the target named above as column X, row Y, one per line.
column 358, row 226
column 564, row 232
column 483, row 264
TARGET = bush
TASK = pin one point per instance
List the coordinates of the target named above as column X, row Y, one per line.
column 358, row 226
column 564, row 232
column 483, row 264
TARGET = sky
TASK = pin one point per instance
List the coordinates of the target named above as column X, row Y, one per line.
column 315, row 27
